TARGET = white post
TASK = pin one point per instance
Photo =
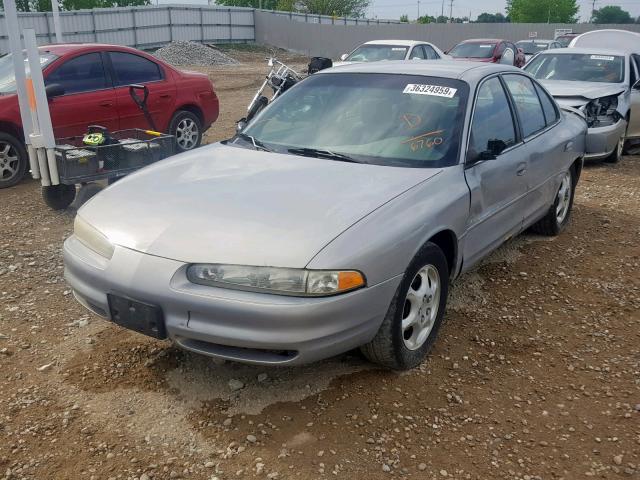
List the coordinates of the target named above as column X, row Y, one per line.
column 15, row 46
column 42, row 136
column 56, row 21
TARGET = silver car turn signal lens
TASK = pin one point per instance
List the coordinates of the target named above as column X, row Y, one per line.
column 91, row 238
column 281, row 281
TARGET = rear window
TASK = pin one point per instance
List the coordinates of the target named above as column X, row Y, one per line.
column 473, row 50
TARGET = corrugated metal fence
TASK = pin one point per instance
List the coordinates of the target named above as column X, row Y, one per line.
column 331, row 40
column 143, row 27
column 327, row 20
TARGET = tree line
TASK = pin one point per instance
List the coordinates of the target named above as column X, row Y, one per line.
column 517, row 11
column 539, row 11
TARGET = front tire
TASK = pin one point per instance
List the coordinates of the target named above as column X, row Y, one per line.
column 617, row 153
column 186, row 127
column 558, row 215
column 415, row 315
column 59, row 197
column 14, row 161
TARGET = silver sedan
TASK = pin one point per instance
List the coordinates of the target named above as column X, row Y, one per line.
column 336, row 219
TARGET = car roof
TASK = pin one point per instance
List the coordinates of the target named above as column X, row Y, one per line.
column 585, row 51
column 483, row 40
column 464, row 70
column 535, row 40
column 404, row 43
column 624, row 40
column 66, row 48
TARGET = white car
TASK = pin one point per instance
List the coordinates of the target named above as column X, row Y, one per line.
column 377, row 50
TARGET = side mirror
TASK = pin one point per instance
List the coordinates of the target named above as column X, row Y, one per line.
column 344, row 56
column 54, row 90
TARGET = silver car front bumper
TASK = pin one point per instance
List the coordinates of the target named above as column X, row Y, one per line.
column 602, row 141
column 236, row 325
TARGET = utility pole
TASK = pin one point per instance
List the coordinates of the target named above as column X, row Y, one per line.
column 418, row 8
column 442, row 12
column 450, row 11
column 593, row 9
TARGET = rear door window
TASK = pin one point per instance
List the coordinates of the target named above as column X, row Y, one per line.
column 528, row 106
column 430, row 52
column 129, row 68
column 417, row 52
column 548, row 107
column 84, row 73
column 492, row 117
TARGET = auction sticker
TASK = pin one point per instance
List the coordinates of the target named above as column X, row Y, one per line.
column 435, row 90
column 602, row 57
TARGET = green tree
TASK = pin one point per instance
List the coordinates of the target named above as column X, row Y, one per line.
column 404, row 18
column 542, row 11
column 338, row 8
column 426, row 19
column 491, row 18
column 611, row 14
column 266, row 4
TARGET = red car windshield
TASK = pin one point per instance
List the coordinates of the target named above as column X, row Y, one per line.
column 7, row 75
column 473, row 50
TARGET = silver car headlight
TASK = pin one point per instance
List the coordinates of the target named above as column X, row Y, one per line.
column 91, row 238
column 602, row 111
column 281, row 281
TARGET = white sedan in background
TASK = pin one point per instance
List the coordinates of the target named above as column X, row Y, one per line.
column 377, row 50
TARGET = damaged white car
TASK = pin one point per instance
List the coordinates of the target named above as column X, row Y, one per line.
column 603, row 84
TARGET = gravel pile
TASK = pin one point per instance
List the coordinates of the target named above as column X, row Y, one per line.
column 190, row 53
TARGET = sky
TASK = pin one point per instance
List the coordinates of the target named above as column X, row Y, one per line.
column 392, row 9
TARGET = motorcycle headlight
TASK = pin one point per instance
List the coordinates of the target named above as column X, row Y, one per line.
column 92, row 238
column 281, row 281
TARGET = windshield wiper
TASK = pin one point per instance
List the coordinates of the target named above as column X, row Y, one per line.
column 257, row 144
column 318, row 153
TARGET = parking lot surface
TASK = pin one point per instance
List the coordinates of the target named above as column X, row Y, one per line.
column 536, row 374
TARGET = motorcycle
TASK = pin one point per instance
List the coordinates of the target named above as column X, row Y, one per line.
column 280, row 78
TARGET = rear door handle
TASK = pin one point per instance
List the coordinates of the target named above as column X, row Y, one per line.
column 106, row 104
column 522, row 169
column 165, row 95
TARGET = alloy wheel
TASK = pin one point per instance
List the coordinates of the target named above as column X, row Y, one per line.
column 564, row 198
column 9, row 161
column 187, row 134
column 420, row 308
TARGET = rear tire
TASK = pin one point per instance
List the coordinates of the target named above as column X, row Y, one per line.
column 186, row 127
column 559, row 213
column 59, row 197
column 415, row 315
column 14, row 161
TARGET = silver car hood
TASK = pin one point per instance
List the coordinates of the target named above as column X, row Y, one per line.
column 223, row 204
column 577, row 94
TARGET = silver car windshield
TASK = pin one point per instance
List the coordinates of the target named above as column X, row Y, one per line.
column 580, row 67
column 384, row 119
column 7, row 75
column 473, row 50
column 375, row 53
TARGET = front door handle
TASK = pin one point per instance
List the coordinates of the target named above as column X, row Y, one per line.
column 165, row 95
column 106, row 104
column 522, row 169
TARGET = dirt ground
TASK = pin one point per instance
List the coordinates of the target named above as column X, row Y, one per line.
column 536, row 374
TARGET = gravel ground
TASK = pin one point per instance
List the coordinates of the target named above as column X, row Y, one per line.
column 181, row 53
column 536, row 374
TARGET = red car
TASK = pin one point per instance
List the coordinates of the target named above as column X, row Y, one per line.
column 490, row 50
column 87, row 84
